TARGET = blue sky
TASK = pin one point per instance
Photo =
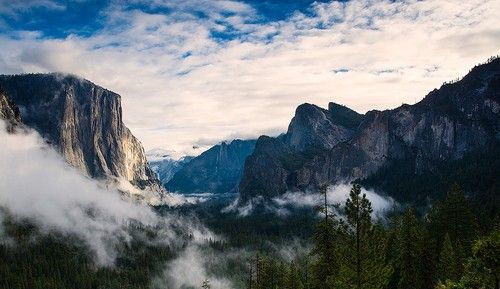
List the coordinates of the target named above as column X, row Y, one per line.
column 85, row 17
column 195, row 72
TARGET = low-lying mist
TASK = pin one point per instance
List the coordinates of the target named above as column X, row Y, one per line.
column 36, row 184
column 285, row 204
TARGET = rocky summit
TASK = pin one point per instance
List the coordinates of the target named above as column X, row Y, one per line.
column 335, row 145
column 83, row 121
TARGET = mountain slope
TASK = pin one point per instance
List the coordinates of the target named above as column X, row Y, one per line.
column 84, row 122
column 458, row 119
column 164, row 164
column 217, row 170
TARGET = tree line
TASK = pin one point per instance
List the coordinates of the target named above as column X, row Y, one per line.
column 443, row 249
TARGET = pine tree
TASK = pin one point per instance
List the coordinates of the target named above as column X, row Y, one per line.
column 447, row 267
column 324, row 249
column 293, row 278
column 483, row 268
column 426, row 261
column 358, row 211
column 454, row 217
column 408, row 257
column 363, row 259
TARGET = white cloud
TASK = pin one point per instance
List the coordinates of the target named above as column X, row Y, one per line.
column 336, row 198
column 337, row 194
column 180, row 85
column 189, row 270
column 12, row 8
column 37, row 184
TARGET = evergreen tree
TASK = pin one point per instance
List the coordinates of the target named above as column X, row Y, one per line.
column 325, row 236
column 408, row 252
column 427, row 261
column 293, row 278
column 363, row 252
column 454, row 217
column 447, row 268
column 483, row 268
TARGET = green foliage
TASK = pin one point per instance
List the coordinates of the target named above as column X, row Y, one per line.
column 363, row 252
column 455, row 218
column 448, row 262
column 443, row 250
column 325, row 252
column 409, row 236
column 476, row 173
column 483, row 268
column 36, row 261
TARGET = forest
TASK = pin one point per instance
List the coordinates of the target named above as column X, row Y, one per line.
column 446, row 247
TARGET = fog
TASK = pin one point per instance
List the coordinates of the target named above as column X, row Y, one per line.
column 37, row 184
column 336, row 195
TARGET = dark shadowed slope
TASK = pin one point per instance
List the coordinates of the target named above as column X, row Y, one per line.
column 218, row 170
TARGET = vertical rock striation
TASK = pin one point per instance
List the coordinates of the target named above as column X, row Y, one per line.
column 9, row 112
column 84, row 122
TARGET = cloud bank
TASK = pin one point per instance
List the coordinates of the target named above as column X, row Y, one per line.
column 195, row 73
column 336, row 196
column 37, row 184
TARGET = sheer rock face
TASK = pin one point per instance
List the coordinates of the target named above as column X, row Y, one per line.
column 313, row 126
column 321, row 147
column 84, row 122
column 9, row 112
column 217, row 170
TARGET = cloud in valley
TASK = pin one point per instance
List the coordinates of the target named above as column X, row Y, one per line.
column 37, row 184
column 337, row 195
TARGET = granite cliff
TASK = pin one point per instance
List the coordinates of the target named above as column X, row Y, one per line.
column 83, row 121
column 336, row 145
column 9, row 112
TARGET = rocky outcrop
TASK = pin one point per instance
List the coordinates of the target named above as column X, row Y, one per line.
column 313, row 126
column 457, row 119
column 217, row 170
column 9, row 112
column 84, row 122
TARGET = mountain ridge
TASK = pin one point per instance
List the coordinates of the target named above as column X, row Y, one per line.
column 458, row 118
column 217, row 170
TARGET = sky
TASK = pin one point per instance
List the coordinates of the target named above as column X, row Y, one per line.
column 194, row 73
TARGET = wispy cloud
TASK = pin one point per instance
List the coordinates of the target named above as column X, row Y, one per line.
column 37, row 184
column 286, row 203
column 191, row 70
column 13, row 8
